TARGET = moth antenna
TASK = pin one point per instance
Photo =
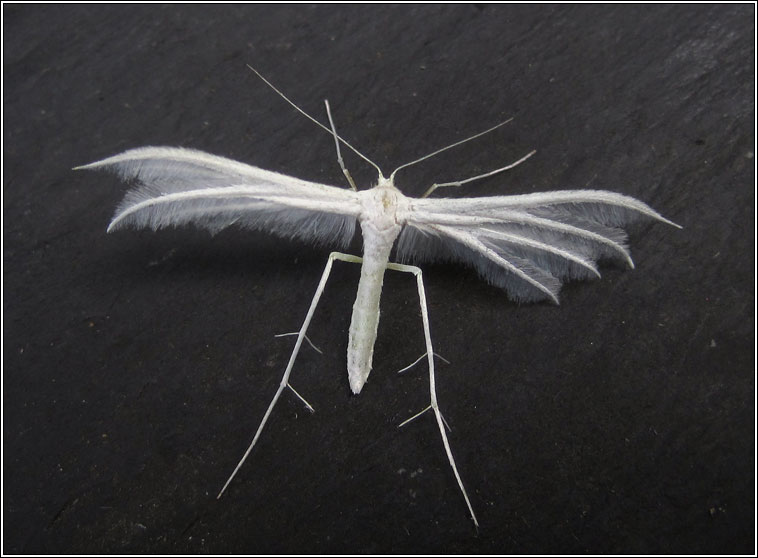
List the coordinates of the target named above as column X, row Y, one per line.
column 456, row 144
column 309, row 117
column 337, row 145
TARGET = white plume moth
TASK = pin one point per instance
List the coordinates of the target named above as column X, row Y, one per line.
column 525, row 244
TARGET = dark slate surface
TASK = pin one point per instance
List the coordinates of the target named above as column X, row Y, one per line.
column 137, row 365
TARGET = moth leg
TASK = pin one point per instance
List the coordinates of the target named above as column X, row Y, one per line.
column 285, row 378
column 337, row 145
column 314, row 347
column 432, row 386
column 433, row 187
column 419, row 359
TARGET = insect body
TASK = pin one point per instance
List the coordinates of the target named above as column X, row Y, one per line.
column 384, row 211
column 525, row 244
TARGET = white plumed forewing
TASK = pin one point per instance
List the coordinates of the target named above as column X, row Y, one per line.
column 527, row 244
column 174, row 186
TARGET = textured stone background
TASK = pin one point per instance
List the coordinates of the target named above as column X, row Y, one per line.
column 137, row 365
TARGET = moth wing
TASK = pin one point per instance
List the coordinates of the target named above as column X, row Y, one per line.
column 526, row 244
column 173, row 186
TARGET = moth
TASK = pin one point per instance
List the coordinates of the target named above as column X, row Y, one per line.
column 525, row 244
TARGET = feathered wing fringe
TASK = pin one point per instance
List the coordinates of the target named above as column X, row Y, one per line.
column 527, row 244
column 174, row 186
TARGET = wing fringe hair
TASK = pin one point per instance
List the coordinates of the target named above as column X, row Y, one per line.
column 526, row 244
column 173, row 186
